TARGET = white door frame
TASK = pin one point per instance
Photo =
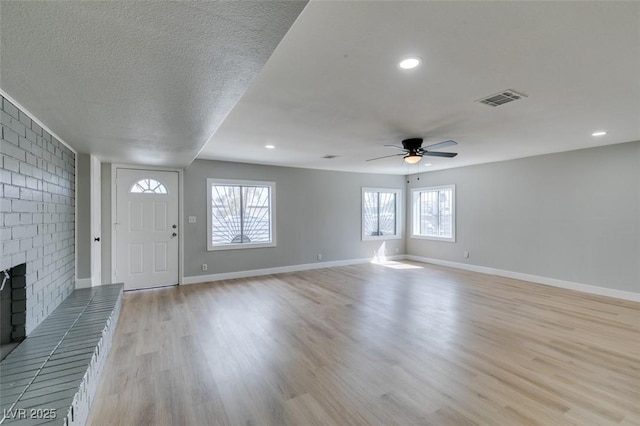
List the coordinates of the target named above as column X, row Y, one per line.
column 96, row 218
column 114, row 169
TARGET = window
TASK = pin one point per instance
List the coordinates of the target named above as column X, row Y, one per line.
column 381, row 213
column 434, row 213
column 242, row 214
column 148, row 186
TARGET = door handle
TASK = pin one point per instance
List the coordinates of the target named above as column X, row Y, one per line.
column 96, row 239
column 174, row 235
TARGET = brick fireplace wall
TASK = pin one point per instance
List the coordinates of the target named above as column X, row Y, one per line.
column 37, row 210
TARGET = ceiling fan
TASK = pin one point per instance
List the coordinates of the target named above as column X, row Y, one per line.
column 413, row 150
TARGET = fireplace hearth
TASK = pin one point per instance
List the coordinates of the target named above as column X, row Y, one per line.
column 13, row 308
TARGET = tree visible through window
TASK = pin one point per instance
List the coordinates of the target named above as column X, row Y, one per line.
column 380, row 213
column 148, row 186
column 434, row 213
column 241, row 213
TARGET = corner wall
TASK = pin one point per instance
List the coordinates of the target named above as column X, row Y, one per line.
column 37, row 210
column 316, row 212
column 572, row 216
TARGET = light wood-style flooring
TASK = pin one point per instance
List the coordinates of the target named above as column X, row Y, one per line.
column 403, row 344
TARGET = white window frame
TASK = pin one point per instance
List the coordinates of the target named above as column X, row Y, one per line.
column 398, row 212
column 272, row 214
column 415, row 193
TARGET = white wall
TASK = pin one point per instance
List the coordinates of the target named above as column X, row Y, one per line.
column 317, row 212
column 572, row 216
column 105, row 237
column 83, row 226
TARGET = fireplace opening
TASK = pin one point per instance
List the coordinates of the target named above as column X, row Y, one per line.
column 13, row 308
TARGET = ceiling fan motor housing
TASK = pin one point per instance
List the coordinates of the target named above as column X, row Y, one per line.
column 412, row 144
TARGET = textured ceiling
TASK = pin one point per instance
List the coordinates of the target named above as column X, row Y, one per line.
column 150, row 82
column 143, row 82
column 333, row 86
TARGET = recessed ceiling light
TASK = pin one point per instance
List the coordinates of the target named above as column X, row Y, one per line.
column 269, row 146
column 600, row 133
column 409, row 63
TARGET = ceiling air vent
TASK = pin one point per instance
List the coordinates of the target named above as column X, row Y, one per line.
column 329, row 157
column 501, row 98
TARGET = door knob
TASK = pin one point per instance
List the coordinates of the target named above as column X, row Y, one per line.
column 96, row 239
column 174, row 235
column 174, row 226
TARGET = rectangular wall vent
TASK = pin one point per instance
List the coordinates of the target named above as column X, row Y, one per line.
column 501, row 98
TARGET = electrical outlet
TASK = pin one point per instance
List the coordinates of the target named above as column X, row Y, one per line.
column 192, row 219
column 466, row 254
column 204, row 267
column 319, row 256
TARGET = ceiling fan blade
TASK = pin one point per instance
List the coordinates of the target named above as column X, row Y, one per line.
column 439, row 145
column 394, row 146
column 386, row 156
column 440, row 154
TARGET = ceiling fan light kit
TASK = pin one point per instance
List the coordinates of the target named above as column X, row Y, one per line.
column 412, row 158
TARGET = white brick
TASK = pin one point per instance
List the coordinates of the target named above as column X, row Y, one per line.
column 21, row 206
column 10, row 109
column 10, row 136
column 5, row 262
column 10, row 247
column 25, row 169
column 26, row 218
column 5, row 176
column 18, row 258
column 10, row 163
column 5, row 234
column 11, row 150
column 11, row 219
column 25, row 143
column 12, row 123
column 26, row 194
column 11, row 191
column 31, row 182
column 18, row 179
column 32, row 254
column 36, row 128
column 26, row 244
column 24, row 231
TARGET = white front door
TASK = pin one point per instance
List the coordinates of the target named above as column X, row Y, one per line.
column 146, row 228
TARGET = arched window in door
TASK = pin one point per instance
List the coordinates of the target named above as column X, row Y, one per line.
column 148, row 186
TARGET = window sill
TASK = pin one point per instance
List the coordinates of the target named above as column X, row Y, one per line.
column 424, row 237
column 381, row 237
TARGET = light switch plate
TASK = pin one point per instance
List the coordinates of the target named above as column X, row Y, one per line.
column 192, row 219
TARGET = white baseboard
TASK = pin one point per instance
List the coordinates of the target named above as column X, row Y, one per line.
column 83, row 283
column 280, row 270
column 585, row 288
